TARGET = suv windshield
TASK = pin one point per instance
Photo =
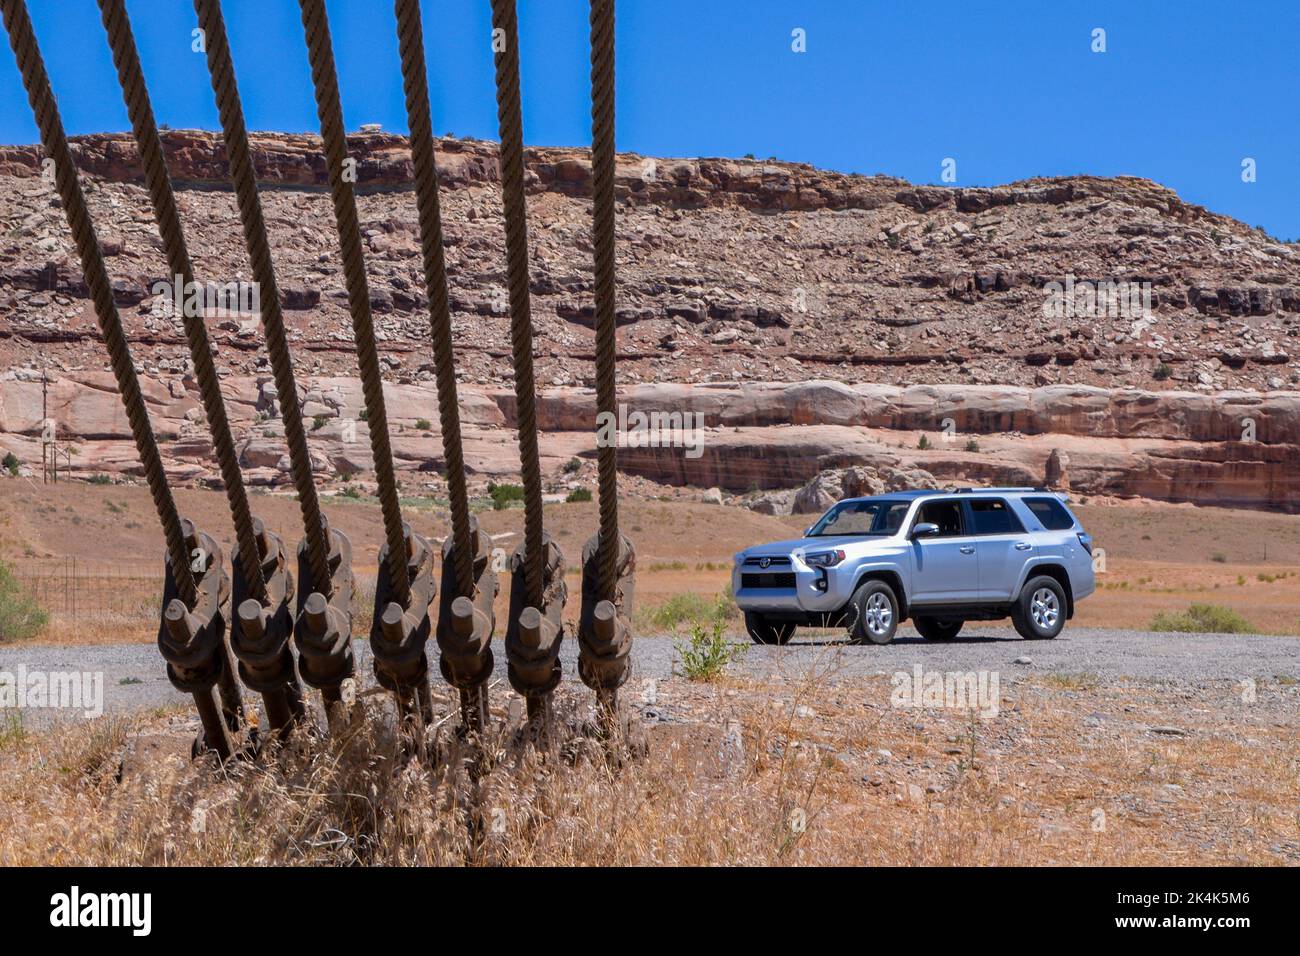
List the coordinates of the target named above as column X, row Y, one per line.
column 868, row 516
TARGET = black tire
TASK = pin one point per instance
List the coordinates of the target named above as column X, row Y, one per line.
column 876, row 617
column 762, row 630
column 1039, row 611
column 938, row 628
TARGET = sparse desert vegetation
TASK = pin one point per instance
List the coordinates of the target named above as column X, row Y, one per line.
column 1203, row 619
column 790, row 772
column 21, row 617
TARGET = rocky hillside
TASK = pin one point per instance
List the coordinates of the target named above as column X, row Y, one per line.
column 757, row 275
column 729, row 269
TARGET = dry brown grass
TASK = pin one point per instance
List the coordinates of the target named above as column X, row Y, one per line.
column 785, row 773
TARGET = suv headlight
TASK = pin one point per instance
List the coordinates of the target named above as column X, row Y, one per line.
column 823, row 559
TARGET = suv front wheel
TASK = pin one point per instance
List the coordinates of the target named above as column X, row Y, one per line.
column 1039, row 612
column 877, row 613
column 763, row 630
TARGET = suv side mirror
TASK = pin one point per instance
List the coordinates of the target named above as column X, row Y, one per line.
column 925, row 529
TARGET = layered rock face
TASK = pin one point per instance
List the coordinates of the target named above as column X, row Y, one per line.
column 1097, row 334
column 729, row 270
column 1238, row 448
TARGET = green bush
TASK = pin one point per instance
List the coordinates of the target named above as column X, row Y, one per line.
column 11, row 464
column 572, row 465
column 1204, row 619
column 100, row 480
column 706, row 653
column 20, row 616
column 318, row 422
column 1162, row 372
column 579, row 494
column 689, row 606
column 923, row 444
column 502, row 495
column 424, row 424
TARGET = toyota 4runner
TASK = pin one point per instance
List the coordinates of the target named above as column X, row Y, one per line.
column 940, row 558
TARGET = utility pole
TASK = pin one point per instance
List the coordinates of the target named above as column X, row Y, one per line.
column 45, row 417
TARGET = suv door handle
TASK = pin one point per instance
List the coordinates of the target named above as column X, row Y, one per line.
column 1024, row 546
column 968, row 549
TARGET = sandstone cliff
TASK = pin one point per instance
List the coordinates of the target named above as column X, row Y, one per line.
column 816, row 319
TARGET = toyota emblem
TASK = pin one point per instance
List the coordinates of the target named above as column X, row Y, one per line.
column 764, row 562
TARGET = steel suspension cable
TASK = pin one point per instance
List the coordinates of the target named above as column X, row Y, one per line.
column 54, row 141
column 330, row 113
column 243, row 175
column 510, row 124
column 136, row 96
column 602, row 170
column 410, row 36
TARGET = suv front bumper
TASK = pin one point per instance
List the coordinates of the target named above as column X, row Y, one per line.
column 816, row 590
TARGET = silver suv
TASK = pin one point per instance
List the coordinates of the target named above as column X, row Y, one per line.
column 939, row 557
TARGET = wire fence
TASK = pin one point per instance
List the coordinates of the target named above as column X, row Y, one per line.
column 75, row 590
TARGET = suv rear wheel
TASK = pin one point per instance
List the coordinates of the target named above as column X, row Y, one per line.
column 877, row 613
column 1039, row 612
column 763, row 630
column 938, row 628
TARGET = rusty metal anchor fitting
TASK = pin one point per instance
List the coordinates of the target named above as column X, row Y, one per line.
column 465, row 627
column 260, row 634
column 193, row 643
column 398, row 635
column 534, row 634
column 322, row 629
column 605, row 626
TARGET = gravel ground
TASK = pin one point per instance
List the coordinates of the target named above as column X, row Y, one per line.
column 134, row 679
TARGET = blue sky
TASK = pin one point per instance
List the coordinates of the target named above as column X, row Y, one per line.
column 1008, row 88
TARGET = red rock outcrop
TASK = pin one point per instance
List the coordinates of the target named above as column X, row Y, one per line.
column 1234, row 449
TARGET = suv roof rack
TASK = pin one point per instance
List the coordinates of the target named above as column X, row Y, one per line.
column 980, row 491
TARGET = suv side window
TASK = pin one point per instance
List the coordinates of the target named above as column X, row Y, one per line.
column 993, row 516
column 1050, row 512
column 946, row 514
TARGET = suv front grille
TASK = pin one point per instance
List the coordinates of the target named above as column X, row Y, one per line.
column 782, row 579
column 774, row 559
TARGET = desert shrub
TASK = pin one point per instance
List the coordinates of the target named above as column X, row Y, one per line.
column 11, row 463
column 572, row 465
column 705, row 653
column 503, row 494
column 923, row 444
column 579, row 494
column 100, row 480
column 318, row 422
column 1203, row 619
column 20, row 616
column 689, row 606
column 424, row 424
column 1162, row 372
column 1218, row 557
